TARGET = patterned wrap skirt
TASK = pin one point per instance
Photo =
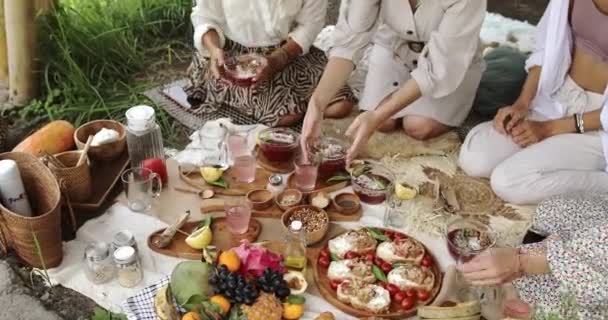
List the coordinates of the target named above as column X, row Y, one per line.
column 285, row 93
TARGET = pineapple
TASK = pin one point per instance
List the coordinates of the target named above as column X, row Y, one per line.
column 267, row 307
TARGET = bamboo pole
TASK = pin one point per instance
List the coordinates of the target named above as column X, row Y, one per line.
column 44, row 6
column 3, row 54
column 21, row 42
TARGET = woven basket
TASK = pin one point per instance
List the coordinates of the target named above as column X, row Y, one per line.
column 74, row 181
column 17, row 231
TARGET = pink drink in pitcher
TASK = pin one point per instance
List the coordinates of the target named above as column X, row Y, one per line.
column 237, row 146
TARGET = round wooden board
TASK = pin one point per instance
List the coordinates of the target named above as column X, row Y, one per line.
column 223, row 239
column 235, row 188
column 320, row 186
column 323, row 284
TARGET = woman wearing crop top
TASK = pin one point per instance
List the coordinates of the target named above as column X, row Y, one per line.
column 424, row 67
column 553, row 140
column 283, row 31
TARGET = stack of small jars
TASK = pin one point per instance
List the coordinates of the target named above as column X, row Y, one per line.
column 121, row 258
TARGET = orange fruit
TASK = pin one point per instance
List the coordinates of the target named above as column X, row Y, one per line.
column 230, row 259
column 191, row 316
column 222, row 302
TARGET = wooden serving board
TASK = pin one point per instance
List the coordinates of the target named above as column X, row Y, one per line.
column 192, row 177
column 223, row 239
column 274, row 166
column 323, row 285
column 215, row 205
column 321, row 185
column 104, row 175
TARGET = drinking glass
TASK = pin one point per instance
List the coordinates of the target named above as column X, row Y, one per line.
column 244, row 168
column 141, row 187
column 237, row 146
column 238, row 214
column 306, row 171
column 393, row 217
column 463, row 255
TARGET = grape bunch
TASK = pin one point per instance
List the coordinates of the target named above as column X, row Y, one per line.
column 273, row 282
column 233, row 286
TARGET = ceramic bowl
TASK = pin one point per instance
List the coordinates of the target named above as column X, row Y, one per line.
column 347, row 203
column 105, row 152
column 296, row 194
column 312, row 213
column 260, row 199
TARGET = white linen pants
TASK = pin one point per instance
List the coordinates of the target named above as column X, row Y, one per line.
column 561, row 164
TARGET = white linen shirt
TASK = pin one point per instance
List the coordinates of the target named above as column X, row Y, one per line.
column 554, row 49
column 259, row 23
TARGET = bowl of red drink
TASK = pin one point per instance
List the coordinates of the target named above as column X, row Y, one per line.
column 242, row 69
column 279, row 144
column 466, row 238
column 372, row 182
column 332, row 152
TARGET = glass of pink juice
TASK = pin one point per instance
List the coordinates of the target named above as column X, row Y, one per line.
column 238, row 214
column 237, row 146
column 244, row 168
column 305, row 175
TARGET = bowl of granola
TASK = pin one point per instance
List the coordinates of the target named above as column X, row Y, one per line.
column 314, row 220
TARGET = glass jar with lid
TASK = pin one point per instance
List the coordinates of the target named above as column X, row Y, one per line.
column 124, row 238
column 99, row 265
column 128, row 268
column 275, row 184
column 145, row 141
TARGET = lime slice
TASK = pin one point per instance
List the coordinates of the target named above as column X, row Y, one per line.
column 405, row 192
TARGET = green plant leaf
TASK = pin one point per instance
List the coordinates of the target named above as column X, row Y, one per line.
column 205, row 222
column 295, row 299
column 339, row 178
column 103, row 314
column 379, row 274
column 220, row 183
column 377, row 234
column 334, row 257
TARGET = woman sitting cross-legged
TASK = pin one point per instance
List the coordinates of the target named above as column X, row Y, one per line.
column 566, row 274
column 550, row 141
column 282, row 31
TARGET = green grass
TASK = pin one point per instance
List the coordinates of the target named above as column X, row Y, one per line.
column 95, row 57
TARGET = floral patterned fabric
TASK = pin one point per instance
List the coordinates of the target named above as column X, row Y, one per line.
column 577, row 251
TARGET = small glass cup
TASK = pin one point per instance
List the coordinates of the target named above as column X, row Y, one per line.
column 237, row 146
column 238, row 214
column 393, row 218
column 306, row 172
column 141, row 187
column 244, row 168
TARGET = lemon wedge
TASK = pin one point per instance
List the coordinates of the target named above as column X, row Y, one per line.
column 405, row 192
column 200, row 238
column 211, row 174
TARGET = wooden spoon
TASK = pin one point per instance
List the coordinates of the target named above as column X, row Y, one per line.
column 203, row 193
column 85, row 151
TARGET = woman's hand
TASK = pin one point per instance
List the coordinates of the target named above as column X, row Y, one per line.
column 361, row 130
column 527, row 132
column 216, row 61
column 492, row 267
column 277, row 61
column 311, row 128
column 508, row 117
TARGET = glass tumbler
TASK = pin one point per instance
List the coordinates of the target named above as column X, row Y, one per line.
column 141, row 187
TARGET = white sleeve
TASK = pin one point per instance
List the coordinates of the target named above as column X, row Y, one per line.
column 355, row 29
column 309, row 22
column 540, row 38
column 207, row 15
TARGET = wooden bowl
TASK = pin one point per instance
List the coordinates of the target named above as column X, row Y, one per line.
column 289, row 192
column 311, row 237
column 260, row 199
column 105, row 152
column 340, row 200
column 315, row 194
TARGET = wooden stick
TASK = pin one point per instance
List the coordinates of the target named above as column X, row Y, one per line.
column 85, row 151
column 56, row 162
column 21, row 43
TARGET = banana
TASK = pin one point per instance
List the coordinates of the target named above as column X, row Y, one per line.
column 165, row 310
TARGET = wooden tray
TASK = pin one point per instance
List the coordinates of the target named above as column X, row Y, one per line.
column 104, row 176
column 321, row 185
column 192, row 177
column 215, row 205
column 222, row 239
column 274, row 166
column 323, row 284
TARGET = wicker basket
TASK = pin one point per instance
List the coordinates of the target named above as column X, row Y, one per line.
column 17, row 232
column 74, row 181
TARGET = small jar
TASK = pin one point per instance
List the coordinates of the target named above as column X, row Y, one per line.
column 275, row 184
column 128, row 268
column 124, row 238
column 99, row 265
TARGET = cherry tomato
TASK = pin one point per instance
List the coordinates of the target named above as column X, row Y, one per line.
column 411, row 293
column 386, row 267
column 392, row 289
column 334, row 284
column 399, row 236
column 351, row 255
column 427, row 261
column 324, row 262
column 369, row 257
column 423, row 295
column 324, row 252
column 407, row 303
column 378, row 261
column 389, row 234
column 399, row 296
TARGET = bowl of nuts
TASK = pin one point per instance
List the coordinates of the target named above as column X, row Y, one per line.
column 289, row 199
column 314, row 220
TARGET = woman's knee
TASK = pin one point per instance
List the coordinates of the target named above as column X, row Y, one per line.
column 339, row 109
column 475, row 155
column 422, row 128
column 513, row 186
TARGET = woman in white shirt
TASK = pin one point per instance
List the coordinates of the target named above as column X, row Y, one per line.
column 283, row 31
column 424, row 67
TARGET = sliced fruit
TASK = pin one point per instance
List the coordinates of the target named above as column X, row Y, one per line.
column 292, row 311
column 191, row 316
column 200, row 238
column 296, row 282
column 222, row 302
column 230, row 259
column 165, row 310
column 211, row 174
column 405, row 192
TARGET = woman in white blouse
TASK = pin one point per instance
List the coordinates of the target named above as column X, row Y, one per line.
column 424, row 67
column 283, row 31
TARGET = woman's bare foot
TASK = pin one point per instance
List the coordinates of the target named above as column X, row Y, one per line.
column 339, row 109
column 389, row 125
column 517, row 309
column 289, row 120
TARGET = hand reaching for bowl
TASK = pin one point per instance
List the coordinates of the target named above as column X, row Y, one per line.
column 276, row 62
column 311, row 128
column 361, row 130
column 216, row 62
